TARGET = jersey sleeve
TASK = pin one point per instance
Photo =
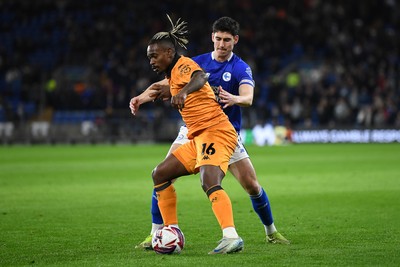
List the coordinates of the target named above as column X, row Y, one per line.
column 187, row 68
column 184, row 70
column 244, row 74
column 182, row 73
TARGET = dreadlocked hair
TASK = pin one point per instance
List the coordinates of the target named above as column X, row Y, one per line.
column 178, row 33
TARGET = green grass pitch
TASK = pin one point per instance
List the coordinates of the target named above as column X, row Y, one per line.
column 90, row 205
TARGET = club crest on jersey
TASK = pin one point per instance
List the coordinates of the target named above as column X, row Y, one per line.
column 184, row 69
column 226, row 76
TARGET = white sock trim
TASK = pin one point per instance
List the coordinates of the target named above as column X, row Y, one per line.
column 155, row 227
column 270, row 229
column 230, row 232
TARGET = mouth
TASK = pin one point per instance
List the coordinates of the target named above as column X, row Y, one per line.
column 154, row 68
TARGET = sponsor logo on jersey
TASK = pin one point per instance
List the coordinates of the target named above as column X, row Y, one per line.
column 205, row 157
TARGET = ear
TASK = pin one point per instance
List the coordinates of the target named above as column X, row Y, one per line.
column 236, row 39
column 212, row 36
column 170, row 52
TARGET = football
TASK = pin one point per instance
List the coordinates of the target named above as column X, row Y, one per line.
column 168, row 240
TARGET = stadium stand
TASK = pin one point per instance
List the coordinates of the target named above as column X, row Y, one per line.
column 317, row 64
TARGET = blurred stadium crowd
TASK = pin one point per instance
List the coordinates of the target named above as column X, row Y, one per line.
column 317, row 64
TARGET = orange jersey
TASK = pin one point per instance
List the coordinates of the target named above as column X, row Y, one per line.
column 201, row 109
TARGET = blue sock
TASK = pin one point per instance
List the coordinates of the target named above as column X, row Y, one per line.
column 155, row 211
column 262, row 207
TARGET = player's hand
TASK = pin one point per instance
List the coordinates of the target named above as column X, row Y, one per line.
column 160, row 91
column 178, row 100
column 134, row 105
column 226, row 98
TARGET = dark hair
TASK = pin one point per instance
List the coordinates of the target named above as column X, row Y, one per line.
column 177, row 35
column 226, row 24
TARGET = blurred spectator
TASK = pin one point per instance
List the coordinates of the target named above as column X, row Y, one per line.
column 316, row 63
column 342, row 111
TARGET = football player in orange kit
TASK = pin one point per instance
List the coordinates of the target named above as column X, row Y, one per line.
column 212, row 136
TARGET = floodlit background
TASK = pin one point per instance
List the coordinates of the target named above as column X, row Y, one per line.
column 69, row 68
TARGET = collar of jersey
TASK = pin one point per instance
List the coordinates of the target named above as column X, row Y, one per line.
column 169, row 69
column 213, row 58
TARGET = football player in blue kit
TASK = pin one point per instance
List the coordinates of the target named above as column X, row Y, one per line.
column 233, row 84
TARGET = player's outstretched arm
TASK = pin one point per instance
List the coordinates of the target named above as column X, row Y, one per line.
column 156, row 90
column 160, row 90
column 134, row 104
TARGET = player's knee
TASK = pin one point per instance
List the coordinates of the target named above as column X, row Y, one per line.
column 155, row 174
column 252, row 191
column 207, row 183
column 205, row 187
column 161, row 174
column 251, row 186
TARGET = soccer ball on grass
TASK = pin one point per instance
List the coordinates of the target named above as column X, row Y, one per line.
column 168, row 240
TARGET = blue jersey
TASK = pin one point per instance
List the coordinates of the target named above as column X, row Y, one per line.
column 229, row 75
